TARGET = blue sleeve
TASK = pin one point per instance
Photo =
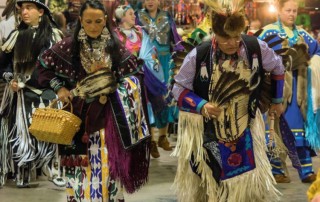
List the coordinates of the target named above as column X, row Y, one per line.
column 313, row 45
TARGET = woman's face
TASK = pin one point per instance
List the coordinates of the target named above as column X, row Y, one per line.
column 93, row 21
column 129, row 18
column 288, row 13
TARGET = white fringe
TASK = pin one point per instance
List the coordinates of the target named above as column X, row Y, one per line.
column 11, row 42
column 188, row 185
column 314, row 66
column 255, row 185
column 258, row 184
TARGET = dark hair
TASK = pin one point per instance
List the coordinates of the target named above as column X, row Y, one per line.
column 112, row 45
column 39, row 43
column 60, row 20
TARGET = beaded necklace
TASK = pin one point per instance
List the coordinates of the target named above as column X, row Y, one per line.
column 293, row 40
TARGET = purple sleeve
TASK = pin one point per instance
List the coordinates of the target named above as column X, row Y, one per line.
column 270, row 60
column 273, row 63
column 184, row 79
column 176, row 37
column 183, row 87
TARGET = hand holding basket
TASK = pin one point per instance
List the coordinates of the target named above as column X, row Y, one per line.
column 54, row 125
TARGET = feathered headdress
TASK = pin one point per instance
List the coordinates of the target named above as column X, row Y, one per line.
column 228, row 19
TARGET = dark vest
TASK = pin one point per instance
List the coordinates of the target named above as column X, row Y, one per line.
column 201, row 88
column 204, row 55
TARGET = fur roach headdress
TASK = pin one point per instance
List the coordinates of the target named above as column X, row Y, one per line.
column 228, row 19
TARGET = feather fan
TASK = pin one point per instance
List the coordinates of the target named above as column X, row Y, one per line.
column 228, row 87
column 101, row 82
column 231, row 94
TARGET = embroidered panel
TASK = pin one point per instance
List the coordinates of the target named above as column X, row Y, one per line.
column 237, row 156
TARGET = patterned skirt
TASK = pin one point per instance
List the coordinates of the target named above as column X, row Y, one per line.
column 88, row 176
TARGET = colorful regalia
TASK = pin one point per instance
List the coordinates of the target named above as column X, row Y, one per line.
column 215, row 156
column 110, row 152
column 222, row 157
column 138, row 43
column 162, row 32
column 301, row 96
column 20, row 152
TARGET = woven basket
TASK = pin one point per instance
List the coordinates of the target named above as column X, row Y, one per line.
column 54, row 125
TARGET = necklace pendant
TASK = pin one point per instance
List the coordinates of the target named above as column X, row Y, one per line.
column 103, row 99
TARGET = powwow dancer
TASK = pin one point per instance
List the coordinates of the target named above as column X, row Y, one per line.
column 221, row 143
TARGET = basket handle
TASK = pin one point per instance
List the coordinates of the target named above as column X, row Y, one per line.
column 55, row 101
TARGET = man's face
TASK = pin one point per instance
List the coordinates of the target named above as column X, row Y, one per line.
column 228, row 45
column 151, row 5
column 30, row 13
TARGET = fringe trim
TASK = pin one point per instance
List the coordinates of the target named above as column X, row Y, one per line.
column 258, row 184
column 312, row 123
column 130, row 167
column 6, row 103
column 5, row 152
column 190, row 141
column 315, row 80
column 11, row 42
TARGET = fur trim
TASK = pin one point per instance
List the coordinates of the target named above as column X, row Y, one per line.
column 302, row 83
column 228, row 26
column 235, row 24
column 228, row 18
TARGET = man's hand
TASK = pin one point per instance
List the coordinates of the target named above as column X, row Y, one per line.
column 210, row 111
column 277, row 109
